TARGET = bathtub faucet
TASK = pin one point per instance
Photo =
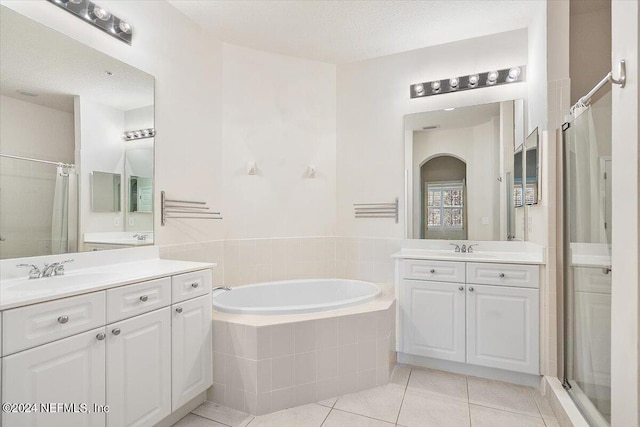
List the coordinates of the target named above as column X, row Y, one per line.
column 221, row 288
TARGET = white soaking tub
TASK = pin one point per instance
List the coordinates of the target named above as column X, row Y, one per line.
column 295, row 296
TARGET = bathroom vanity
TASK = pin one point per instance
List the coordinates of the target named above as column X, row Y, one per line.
column 130, row 340
column 469, row 311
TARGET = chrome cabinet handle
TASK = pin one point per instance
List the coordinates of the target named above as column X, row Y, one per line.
column 101, row 336
column 433, row 270
column 179, row 310
column 501, row 275
column 63, row 319
column 461, row 288
column 606, row 270
column 470, row 288
column 116, row 331
column 195, row 284
column 144, row 298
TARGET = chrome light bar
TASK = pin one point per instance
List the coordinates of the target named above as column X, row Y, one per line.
column 472, row 81
column 98, row 17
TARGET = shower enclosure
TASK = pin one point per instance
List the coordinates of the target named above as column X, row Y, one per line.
column 587, row 259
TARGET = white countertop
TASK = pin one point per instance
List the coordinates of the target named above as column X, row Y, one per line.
column 17, row 292
column 119, row 238
column 502, row 257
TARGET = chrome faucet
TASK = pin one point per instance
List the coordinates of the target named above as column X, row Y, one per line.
column 463, row 249
column 140, row 236
column 221, row 288
column 34, row 273
column 55, row 269
column 457, row 247
column 470, row 248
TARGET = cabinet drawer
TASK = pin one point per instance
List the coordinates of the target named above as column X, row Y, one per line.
column 442, row 271
column 190, row 285
column 37, row 324
column 129, row 301
column 524, row 276
column 591, row 279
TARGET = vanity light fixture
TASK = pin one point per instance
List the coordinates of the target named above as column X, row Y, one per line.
column 132, row 135
column 472, row 81
column 98, row 17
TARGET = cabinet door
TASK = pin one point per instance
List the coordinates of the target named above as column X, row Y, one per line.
column 68, row 371
column 502, row 328
column 433, row 319
column 191, row 349
column 139, row 369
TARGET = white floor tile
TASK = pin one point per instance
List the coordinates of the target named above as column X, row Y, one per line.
column 489, row 417
column 301, row 416
column 382, row 403
column 223, row 414
column 425, row 409
column 328, row 402
column 442, row 383
column 339, row 418
column 400, row 374
column 501, row 395
column 192, row 420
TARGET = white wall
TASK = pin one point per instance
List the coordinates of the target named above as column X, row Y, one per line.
column 101, row 150
column 26, row 199
column 625, row 279
column 278, row 111
column 373, row 97
column 186, row 63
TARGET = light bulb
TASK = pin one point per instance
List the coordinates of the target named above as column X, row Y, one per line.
column 474, row 79
column 418, row 89
column 453, row 82
column 492, row 77
column 124, row 27
column 75, row 1
column 101, row 14
column 514, row 73
column 435, row 86
column 129, row 135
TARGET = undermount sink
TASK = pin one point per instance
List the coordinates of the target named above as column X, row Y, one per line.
column 44, row 284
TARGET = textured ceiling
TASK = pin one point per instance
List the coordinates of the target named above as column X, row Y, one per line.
column 347, row 31
column 38, row 59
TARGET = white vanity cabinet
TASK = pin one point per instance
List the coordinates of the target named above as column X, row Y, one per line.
column 191, row 340
column 434, row 324
column 484, row 314
column 142, row 349
column 70, row 370
column 139, row 369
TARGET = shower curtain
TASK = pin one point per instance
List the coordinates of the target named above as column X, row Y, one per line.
column 60, row 215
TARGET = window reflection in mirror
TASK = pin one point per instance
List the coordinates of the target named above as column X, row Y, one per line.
column 461, row 180
column 532, row 168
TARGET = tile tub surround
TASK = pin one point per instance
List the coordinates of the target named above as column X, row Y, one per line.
column 264, row 364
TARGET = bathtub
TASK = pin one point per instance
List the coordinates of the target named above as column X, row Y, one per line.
column 282, row 344
column 295, row 296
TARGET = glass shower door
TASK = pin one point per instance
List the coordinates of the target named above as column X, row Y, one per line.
column 587, row 260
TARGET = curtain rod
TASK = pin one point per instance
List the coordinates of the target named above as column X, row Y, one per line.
column 66, row 165
column 582, row 102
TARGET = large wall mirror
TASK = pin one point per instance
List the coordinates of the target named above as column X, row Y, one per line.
column 76, row 145
column 460, row 172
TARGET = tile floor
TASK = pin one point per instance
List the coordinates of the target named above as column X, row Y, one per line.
column 414, row 397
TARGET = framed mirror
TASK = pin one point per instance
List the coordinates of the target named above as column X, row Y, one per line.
column 461, row 172
column 65, row 159
column 105, row 191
